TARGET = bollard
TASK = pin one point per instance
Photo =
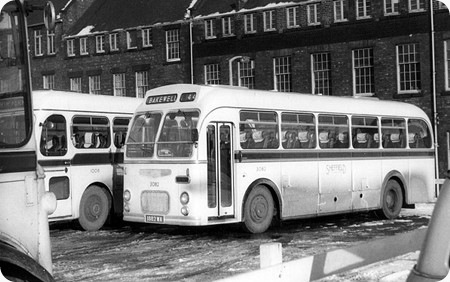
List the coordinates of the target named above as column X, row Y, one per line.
column 270, row 254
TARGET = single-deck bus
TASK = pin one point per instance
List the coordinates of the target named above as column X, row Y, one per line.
column 80, row 139
column 204, row 155
column 25, row 252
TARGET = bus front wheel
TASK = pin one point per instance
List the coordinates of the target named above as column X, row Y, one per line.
column 392, row 201
column 258, row 210
column 94, row 208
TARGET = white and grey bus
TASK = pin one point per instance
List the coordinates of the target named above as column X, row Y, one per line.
column 204, row 155
column 81, row 139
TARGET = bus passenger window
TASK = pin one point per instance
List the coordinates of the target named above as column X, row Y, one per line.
column 90, row 132
column 333, row 131
column 298, row 131
column 418, row 134
column 53, row 136
column 260, row 128
column 120, row 127
column 365, row 132
column 393, row 132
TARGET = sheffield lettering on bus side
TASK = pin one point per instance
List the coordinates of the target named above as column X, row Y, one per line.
column 336, row 169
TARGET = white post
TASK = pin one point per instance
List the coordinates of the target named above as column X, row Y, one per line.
column 270, row 254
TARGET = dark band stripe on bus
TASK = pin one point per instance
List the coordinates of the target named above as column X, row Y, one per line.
column 85, row 159
column 290, row 155
column 17, row 161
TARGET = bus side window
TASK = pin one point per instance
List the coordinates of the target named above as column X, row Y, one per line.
column 393, row 132
column 418, row 134
column 333, row 131
column 90, row 132
column 53, row 136
column 120, row 127
column 365, row 132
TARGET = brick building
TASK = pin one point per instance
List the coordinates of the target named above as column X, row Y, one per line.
column 370, row 48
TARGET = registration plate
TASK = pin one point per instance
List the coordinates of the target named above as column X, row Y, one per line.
column 154, row 218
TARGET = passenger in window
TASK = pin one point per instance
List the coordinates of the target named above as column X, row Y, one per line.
column 342, row 140
column 324, row 139
column 55, row 144
column 291, row 140
column 247, row 141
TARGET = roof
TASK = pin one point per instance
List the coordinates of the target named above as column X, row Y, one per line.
column 216, row 96
column 212, row 7
column 63, row 100
column 37, row 16
column 109, row 15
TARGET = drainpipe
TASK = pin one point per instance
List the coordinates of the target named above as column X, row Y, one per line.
column 433, row 90
column 188, row 17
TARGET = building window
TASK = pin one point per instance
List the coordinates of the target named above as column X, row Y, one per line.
column 291, row 17
column 447, row 64
column 75, row 84
column 339, row 11
column 408, row 68
column 312, row 14
column 147, row 37
column 209, row 29
column 269, row 20
column 48, row 81
column 113, row 38
column 441, row 5
column 363, row 72
column 416, row 5
column 227, row 28
column 51, row 42
column 94, row 84
column 131, row 39
column 38, row 43
column 83, row 46
column 141, row 83
column 119, row 84
column 391, row 7
column 173, row 45
column 282, row 74
column 321, row 73
column 100, row 44
column 247, row 74
column 212, row 74
column 70, row 48
column 363, row 9
column 249, row 23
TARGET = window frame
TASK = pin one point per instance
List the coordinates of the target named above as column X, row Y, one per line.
column 51, row 50
column 341, row 11
column 142, row 83
column 147, row 37
column 269, row 20
column 249, row 23
column 173, row 45
column 227, row 27
column 284, row 84
column 100, row 44
column 393, row 5
column 366, row 5
column 70, row 47
column 113, row 39
column 119, row 84
column 357, row 74
column 83, row 46
column 212, row 74
column 312, row 18
column 38, row 43
column 75, row 84
column 322, row 76
column 95, row 84
column 417, row 66
column 291, row 17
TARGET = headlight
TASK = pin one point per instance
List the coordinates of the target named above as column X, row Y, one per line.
column 184, row 198
column 126, row 195
column 48, row 202
column 185, row 211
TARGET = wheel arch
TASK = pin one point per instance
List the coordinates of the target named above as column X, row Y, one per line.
column 269, row 184
column 108, row 191
column 400, row 179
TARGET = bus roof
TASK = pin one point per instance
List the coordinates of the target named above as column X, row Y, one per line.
column 64, row 100
column 209, row 97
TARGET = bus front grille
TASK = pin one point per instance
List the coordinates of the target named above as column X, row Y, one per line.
column 155, row 202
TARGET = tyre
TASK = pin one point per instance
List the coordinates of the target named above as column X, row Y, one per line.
column 258, row 210
column 94, row 208
column 392, row 201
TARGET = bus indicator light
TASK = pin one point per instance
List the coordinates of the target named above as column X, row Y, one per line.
column 184, row 198
column 185, row 211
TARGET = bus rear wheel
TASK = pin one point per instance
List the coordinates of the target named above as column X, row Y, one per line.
column 258, row 210
column 392, row 201
column 94, row 208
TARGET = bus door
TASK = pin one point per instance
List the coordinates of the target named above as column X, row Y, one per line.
column 55, row 161
column 220, row 170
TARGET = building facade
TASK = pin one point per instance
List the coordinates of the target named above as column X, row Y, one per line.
column 367, row 48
